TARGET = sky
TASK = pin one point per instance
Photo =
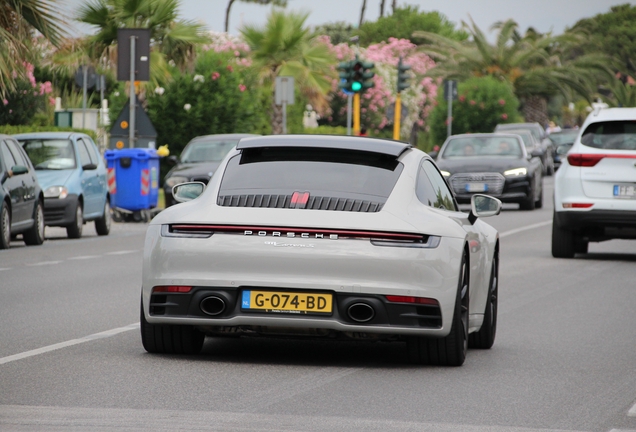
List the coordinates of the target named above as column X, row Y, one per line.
column 543, row 15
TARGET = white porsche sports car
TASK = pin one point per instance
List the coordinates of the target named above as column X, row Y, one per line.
column 324, row 237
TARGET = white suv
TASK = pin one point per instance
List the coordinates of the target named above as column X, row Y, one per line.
column 595, row 188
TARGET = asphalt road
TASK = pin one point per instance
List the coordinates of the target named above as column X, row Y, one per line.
column 71, row 357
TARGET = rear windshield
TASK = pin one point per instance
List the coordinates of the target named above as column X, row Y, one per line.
column 50, row 154
column 512, row 126
column 207, row 151
column 333, row 173
column 611, row 135
column 497, row 146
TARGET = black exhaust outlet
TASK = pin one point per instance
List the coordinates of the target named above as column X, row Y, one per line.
column 361, row 312
column 212, row 305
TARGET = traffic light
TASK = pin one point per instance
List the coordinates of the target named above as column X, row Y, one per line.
column 345, row 69
column 403, row 76
column 361, row 76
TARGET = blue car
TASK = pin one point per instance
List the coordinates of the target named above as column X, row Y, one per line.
column 72, row 174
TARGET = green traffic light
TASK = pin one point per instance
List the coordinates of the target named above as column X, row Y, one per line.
column 356, row 86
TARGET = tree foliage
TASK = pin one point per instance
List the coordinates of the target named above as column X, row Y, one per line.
column 483, row 103
column 403, row 22
column 612, row 33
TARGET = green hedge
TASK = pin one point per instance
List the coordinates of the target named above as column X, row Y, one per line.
column 12, row 130
column 326, row 130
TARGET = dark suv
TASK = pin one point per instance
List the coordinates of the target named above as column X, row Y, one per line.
column 21, row 198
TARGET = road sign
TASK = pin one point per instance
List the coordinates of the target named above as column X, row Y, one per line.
column 91, row 76
column 142, row 54
column 450, row 85
column 284, row 90
column 390, row 111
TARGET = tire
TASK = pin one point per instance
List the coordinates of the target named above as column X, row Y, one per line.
column 528, row 203
column 539, row 203
column 580, row 246
column 102, row 225
column 170, row 339
column 35, row 235
column 5, row 226
column 450, row 350
column 562, row 241
column 74, row 230
column 485, row 337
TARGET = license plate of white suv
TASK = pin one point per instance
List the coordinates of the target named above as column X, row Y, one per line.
column 625, row 191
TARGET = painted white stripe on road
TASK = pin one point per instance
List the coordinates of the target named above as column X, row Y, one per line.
column 6, row 268
column 124, row 252
column 85, row 257
column 43, row 350
column 43, row 263
column 526, row 228
column 632, row 411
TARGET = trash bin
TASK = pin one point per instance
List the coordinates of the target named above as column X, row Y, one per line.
column 133, row 179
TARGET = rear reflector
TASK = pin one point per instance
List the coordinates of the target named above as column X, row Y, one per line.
column 409, row 299
column 577, row 205
column 171, row 289
column 589, row 160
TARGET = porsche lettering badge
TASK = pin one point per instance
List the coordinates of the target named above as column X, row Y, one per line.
column 291, row 234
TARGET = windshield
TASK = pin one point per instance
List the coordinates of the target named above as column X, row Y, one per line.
column 525, row 136
column 499, row 146
column 207, row 151
column 50, row 154
column 534, row 130
column 611, row 135
column 564, row 137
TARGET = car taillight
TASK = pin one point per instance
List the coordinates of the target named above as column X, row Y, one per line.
column 171, row 289
column 589, row 160
column 410, row 299
column 577, row 205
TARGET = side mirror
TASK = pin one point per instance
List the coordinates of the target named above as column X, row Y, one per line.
column 19, row 169
column 89, row 167
column 172, row 160
column 187, row 191
column 483, row 206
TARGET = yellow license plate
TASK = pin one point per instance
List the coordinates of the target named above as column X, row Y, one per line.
column 287, row 302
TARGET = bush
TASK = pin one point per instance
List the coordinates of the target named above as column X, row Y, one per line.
column 483, row 103
column 327, row 130
column 20, row 106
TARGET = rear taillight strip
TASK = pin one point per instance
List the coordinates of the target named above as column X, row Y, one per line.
column 589, row 160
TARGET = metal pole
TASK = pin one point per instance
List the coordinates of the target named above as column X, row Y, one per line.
column 449, row 97
column 349, row 109
column 131, row 125
column 397, row 116
column 284, row 116
column 84, row 94
column 101, row 109
column 356, row 114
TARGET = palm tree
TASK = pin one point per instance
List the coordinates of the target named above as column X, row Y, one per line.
column 173, row 40
column 19, row 19
column 536, row 65
column 281, row 3
column 285, row 47
column 622, row 94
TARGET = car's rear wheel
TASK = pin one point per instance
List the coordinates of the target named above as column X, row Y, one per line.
column 562, row 241
column 529, row 202
column 580, row 246
column 74, row 230
column 485, row 337
column 170, row 339
column 102, row 225
column 539, row 203
column 450, row 350
column 35, row 235
column 5, row 226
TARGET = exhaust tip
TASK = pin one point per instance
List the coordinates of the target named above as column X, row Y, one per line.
column 361, row 312
column 212, row 305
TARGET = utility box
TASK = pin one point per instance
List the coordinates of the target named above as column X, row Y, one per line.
column 133, row 178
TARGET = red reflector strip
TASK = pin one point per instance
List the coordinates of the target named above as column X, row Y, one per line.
column 577, row 205
column 409, row 299
column 171, row 289
column 311, row 231
column 300, row 198
column 589, row 160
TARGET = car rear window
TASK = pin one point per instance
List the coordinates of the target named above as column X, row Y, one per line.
column 611, row 135
column 336, row 179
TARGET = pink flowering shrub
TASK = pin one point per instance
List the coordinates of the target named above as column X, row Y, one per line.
column 20, row 106
column 418, row 99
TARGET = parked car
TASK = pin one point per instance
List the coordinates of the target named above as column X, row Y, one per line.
column 495, row 164
column 21, row 198
column 540, row 136
column 323, row 236
column 562, row 141
column 72, row 174
column 199, row 160
column 595, row 188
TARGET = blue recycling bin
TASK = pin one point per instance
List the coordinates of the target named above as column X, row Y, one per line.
column 133, row 178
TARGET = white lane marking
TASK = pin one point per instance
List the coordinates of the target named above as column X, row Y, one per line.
column 123, row 252
column 43, row 263
column 632, row 411
column 85, row 257
column 6, row 268
column 38, row 351
column 526, row 228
